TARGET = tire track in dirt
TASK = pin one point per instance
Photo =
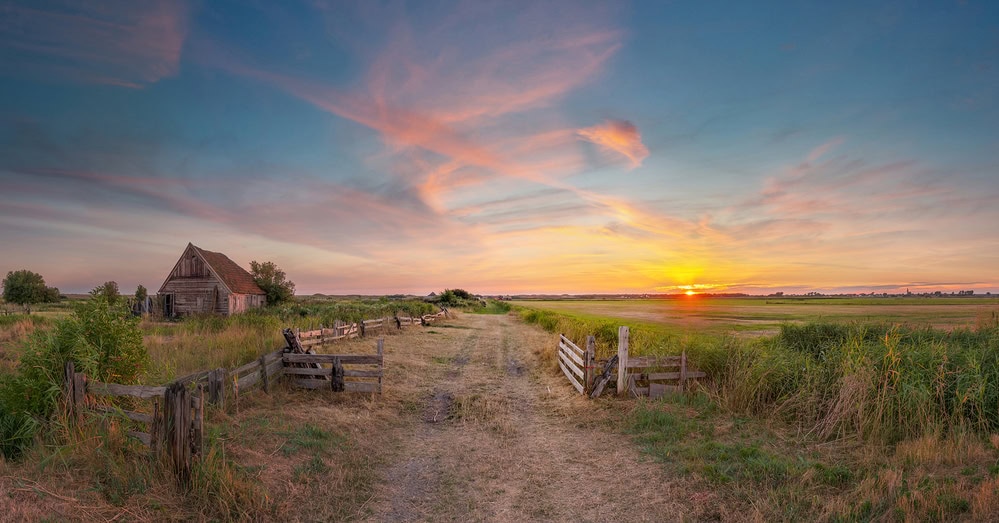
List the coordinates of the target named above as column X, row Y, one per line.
column 514, row 445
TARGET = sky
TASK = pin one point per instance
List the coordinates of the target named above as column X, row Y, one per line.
column 505, row 147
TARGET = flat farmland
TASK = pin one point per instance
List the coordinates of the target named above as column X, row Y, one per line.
column 762, row 316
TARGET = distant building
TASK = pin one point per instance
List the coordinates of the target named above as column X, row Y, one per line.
column 205, row 282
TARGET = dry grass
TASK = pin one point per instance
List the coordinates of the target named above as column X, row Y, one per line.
column 14, row 330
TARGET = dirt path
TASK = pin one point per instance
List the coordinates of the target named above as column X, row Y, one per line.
column 495, row 438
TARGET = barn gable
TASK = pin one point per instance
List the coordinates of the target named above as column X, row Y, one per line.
column 205, row 282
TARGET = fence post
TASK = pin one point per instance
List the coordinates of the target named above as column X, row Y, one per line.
column 177, row 415
column 381, row 362
column 336, row 378
column 263, row 374
column 155, row 428
column 622, row 358
column 216, row 387
column 197, row 428
column 683, row 371
column 69, row 382
column 360, row 325
column 589, row 369
column 235, row 392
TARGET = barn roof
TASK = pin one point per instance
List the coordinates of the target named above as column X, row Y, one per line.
column 232, row 275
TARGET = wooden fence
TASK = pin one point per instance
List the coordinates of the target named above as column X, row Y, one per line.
column 360, row 329
column 175, row 425
column 649, row 376
column 365, row 372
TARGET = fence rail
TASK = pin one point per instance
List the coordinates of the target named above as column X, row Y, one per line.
column 176, row 428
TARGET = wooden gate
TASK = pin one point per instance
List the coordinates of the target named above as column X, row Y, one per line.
column 576, row 363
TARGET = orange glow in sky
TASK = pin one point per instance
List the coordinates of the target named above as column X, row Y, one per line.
column 533, row 148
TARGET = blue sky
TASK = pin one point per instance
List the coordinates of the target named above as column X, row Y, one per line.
column 383, row 147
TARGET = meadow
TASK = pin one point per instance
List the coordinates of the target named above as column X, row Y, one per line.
column 842, row 410
column 765, row 315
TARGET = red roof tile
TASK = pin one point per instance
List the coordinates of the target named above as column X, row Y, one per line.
column 235, row 277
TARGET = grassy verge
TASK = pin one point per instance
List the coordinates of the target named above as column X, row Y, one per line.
column 750, row 467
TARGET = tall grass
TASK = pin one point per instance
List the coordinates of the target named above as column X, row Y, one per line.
column 882, row 382
column 708, row 352
column 205, row 342
column 879, row 382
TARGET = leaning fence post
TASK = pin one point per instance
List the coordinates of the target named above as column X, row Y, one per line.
column 590, row 362
column 622, row 358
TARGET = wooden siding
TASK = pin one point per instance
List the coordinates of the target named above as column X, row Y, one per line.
column 197, row 296
column 191, row 265
column 243, row 302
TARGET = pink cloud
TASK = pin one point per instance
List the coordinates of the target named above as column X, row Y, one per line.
column 443, row 106
column 617, row 136
column 122, row 43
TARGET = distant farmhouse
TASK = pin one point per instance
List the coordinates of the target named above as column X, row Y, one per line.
column 205, row 282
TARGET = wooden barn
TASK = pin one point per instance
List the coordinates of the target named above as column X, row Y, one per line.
column 208, row 282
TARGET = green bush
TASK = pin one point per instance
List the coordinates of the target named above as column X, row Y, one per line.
column 455, row 298
column 103, row 340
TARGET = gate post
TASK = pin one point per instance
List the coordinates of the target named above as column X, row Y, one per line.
column 589, row 369
column 622, row 359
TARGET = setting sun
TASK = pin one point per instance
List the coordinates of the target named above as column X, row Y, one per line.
column 690, row 293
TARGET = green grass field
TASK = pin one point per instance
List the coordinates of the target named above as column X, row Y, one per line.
column 763, row 316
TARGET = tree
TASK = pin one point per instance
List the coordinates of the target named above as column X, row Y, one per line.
column 52, row 295
column 109, row 291
column 273, row 281
column 140, row 294
column 24, row 288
